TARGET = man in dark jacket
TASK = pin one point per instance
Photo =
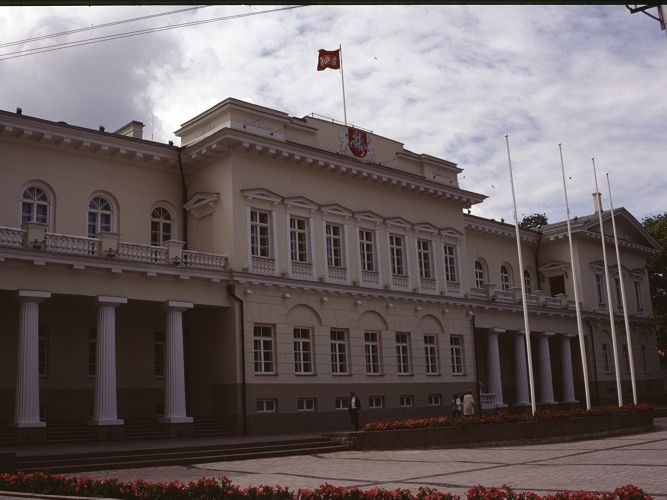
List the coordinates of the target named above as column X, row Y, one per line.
column 355, row 408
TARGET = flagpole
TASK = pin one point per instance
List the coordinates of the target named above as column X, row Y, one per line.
column 598, row 207
column 342, row 79
column 529, row 352
column 580, row 328
column 623, row 301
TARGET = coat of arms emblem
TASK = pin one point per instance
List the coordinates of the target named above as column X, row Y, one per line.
column 358, row 142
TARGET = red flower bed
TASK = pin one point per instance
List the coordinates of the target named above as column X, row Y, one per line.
column 502, row 417
column 218, row 489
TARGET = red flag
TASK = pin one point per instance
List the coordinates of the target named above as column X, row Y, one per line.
column 328, row 59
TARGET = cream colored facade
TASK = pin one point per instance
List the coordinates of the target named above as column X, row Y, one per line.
column 263, row 270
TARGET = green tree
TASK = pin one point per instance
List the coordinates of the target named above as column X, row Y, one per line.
column 534, row 221
column 656, row 225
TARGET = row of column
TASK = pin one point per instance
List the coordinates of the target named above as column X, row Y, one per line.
column 546, row 390
column 105, row 407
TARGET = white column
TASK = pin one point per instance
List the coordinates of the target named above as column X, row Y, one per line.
column 493, row 365
column 26, row 410
column 521, row 370
column 106, row 406
column 544, row 361
column 174, row 377
column 566, row 368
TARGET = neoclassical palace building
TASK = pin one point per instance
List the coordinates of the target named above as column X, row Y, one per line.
column 258, row 273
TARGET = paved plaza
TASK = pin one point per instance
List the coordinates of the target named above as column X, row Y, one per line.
column 603, row 464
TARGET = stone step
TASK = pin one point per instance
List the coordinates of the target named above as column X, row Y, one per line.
column 174, row 456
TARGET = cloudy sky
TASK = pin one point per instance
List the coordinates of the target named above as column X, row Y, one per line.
column 448, row 81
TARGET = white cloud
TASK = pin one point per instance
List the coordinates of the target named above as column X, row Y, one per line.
column 444, row 80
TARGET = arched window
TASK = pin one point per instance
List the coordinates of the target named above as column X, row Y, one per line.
column 35, row 206
column 161, row 226
column 505, row 277
column 99, row 215
column 480, row 277
column 527, row 281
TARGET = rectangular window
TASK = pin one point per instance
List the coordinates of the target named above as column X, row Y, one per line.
column 376, row 401
column 158, row 354
column 303, row 351
column 599, row 288
column 434, row 400
column 342, row 403
column 619, row 297
column 626, row 358
column 431, row 354
column 424, row 259
column 43, row 352
column 372, row 352
column 306, row 404
column 298, row 239
column 450, row 263
column 605, row 358
column 260, row 234
column 334, row 239
column 638, row 296
column 92, row 352
column 456, row 351
column 263, row 348
column 338, row 352
column 367, row 250
column 406, row 401
column 403, row 353
column 267, row 405
column 397, row 254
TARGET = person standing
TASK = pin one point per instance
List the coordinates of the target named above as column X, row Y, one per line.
column 456, row 405
column 468, row 404
column 355, row 409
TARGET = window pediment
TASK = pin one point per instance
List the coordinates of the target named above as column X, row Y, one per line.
column 451, row 232
column 426, row 227
column 368, row 216
column 398, row 222
column 336, row 209
column 262, row 194
column 202, row 204
column 300, row 201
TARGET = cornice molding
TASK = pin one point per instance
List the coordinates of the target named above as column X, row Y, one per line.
column 115, row 146
column 232, row 139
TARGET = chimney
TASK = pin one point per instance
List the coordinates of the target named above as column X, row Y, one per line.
column 132, row 129
column 597, row 202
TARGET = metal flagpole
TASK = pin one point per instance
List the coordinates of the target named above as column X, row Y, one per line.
column 580, row 328
column 342, row 79
column 529, row 352
column 598, row 207
column 623, row 301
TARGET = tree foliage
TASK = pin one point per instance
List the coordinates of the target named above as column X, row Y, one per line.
column 534, row 221
column 656, row 225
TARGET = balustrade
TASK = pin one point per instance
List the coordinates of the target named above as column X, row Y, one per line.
column 71, row 245
column 141, row 253
column 12, row 237
column 202, row 260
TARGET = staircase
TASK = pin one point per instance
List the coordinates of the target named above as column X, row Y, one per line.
column 208, row 427
column 144, row 428
column 7, row 434
column 70, row 432
column 125, row 459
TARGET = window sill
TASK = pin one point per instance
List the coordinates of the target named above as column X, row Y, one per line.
column 375, row 374
column 312, row 374
column 341, row 374
column 405, row 374
column 433, row 374
column 458, row 374
column 262, row 374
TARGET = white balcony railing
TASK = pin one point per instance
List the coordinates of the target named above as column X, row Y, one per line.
column 337, row 273
column 302, row 270
column 372, row 277
column 263, row 265
column 478, row 293
column 504, row 296
column 553, row 301
column 427, row 284
column 71, row 245
column 141, row 253
column 487, row 400
column 12, row 237
column 399, row 281
column 452, row 288
column 202, row 260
